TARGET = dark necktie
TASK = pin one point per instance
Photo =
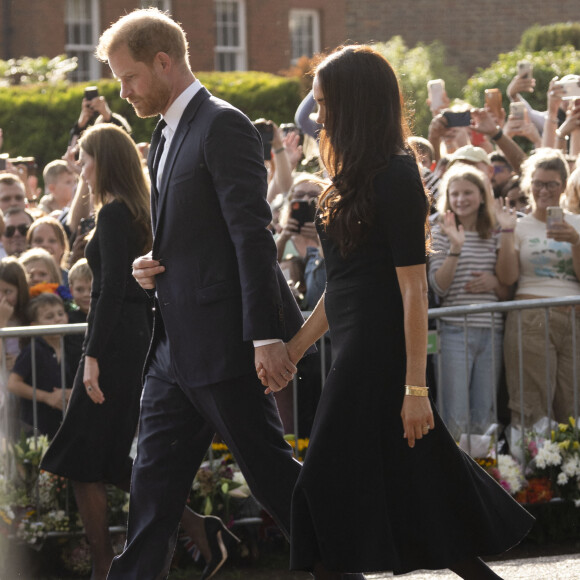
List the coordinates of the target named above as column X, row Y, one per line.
column 159, row 149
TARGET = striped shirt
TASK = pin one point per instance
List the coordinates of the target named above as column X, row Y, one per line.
column 476, row 255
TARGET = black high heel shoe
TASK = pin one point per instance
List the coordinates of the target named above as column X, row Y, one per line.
column 220, row 541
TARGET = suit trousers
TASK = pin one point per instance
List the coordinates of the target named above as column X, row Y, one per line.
column 176, row 427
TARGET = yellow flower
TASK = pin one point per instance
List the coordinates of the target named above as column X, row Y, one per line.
column 553, row 435
column 576, row 445
column 562, row 427
column 564, row 445
column 572, row 421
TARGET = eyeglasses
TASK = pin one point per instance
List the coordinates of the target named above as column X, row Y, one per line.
column 11, row 230
column 551, row 186
column 500, row 168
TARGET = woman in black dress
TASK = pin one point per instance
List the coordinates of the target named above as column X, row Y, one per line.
column 93, row 444
column 377, row 493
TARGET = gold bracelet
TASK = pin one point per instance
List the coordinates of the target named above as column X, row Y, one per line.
column 416, row 391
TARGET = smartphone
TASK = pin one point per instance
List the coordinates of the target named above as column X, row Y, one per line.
column 91, row 93
column 493, row 101
column 86, row 225
column 29, row 162
column 266, row 131
column 571, row 86
column 462, row 119
column 303, row 210
column 525, row 69
column 518, row 111
column 555, row 217
column 3, row 159
column 436, row 90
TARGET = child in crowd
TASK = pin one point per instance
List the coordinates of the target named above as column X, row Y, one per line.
column 80, row 279
column 40, row 267
column 45, row 309
column 13, row 303
column 59, row 187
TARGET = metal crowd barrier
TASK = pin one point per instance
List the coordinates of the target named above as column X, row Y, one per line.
column 434, row 348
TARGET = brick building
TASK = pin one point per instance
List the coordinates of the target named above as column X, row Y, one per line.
column 269, row 35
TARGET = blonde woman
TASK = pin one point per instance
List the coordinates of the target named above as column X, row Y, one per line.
column 461, row 272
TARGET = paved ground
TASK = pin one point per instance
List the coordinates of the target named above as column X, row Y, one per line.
column 543, row 568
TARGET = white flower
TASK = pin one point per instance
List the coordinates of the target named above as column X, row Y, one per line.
column 571, row 466
column 562, row 478
column 548, row 454
column 510, row 472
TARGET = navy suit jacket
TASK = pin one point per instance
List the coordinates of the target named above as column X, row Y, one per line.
column 222, row 287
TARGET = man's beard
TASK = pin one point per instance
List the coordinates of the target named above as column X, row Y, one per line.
column 155, row 101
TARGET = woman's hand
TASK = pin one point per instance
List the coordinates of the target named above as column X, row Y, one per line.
column 482, row 282
column 572, row 122
column 417, row 418
column 6, row 311
column 564, row 232
column 291, row 228
column 555, row 93
column 293, row 148
column 308, row 230
column 91, row 380
column 455, row 233
column 504, row 214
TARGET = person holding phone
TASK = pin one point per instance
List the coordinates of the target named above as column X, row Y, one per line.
column 95, row 109
column 541, row 252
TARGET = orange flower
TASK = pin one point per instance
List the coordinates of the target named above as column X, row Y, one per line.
column 38, row 289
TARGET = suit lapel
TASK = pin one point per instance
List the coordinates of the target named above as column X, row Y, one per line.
column 182, row 130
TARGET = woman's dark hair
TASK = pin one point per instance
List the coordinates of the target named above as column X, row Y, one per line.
column 364, row 126
column 12, row 272
column 119, row 174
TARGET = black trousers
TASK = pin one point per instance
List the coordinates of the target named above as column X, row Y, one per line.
column 176, row 427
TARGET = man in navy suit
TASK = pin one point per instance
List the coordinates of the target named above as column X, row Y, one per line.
column 222, row 306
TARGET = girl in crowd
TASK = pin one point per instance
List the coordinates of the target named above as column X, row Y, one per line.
column 424, row 504
column 40, row 267
column 544, row 259
column 462, row 271
column 14, row 300
column 92, row 446
column 47, row 232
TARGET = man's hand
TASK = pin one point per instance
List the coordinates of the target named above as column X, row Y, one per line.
column 145, row 269
column 273, row 366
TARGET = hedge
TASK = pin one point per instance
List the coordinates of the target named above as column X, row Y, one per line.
column 36, row 119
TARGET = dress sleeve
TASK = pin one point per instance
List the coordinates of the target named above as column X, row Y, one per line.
column 403, row 205
column 113, row 226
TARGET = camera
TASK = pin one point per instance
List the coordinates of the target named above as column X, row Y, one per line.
column 91, row 93
column 461, row 119
column 287, row 128
column 266, row 131
column 303, row 210
column 571, row 86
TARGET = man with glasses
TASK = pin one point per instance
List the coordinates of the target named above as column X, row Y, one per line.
column 16, row 221
column 12, row 192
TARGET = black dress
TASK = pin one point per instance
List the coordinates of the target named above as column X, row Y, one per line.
column 365, row 501
column 94, row 441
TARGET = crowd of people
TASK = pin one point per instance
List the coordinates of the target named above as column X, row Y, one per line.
column 503, row 225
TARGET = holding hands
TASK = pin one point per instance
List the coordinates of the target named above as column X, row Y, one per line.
column 274, row 367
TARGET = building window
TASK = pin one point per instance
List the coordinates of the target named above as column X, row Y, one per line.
column 81, row 24
column 304, row 33
column 230, row 34
column 163, row 5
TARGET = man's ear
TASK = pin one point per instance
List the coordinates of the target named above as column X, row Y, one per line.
column 163, row 60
